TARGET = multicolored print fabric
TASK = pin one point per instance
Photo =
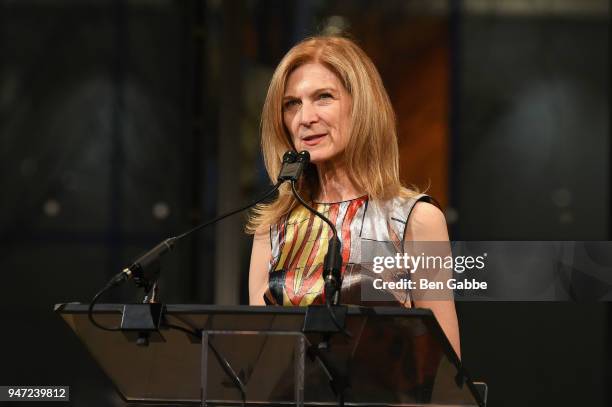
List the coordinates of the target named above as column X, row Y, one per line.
column 299, row 245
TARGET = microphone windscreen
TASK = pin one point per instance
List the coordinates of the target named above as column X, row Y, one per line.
column 304, row 157
column 290, row 156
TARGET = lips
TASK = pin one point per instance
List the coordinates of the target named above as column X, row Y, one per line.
column 314, row 139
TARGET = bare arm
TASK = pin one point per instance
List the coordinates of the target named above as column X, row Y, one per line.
column 258, row 271
column 427, row 224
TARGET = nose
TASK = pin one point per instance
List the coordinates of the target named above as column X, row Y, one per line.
column 308, row 114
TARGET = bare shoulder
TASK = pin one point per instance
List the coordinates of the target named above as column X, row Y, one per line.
column 426, row 223
column 261, row 245
column 262, row 234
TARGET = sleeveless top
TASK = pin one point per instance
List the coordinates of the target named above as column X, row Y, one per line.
column 299, row 244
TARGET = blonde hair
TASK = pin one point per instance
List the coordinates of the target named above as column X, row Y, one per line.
column 371, row 156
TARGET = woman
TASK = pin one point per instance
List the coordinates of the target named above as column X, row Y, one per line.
column 327, row 97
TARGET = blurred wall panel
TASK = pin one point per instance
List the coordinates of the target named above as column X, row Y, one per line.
column 535, row 114
column 421, row 97
column 81, row 97
column 230, row 239
column 409, row 44
column 532, row 163
column 95, row 140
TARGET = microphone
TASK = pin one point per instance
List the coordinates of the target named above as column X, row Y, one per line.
column 145, row 270
column 293, row 165
column 332, row 266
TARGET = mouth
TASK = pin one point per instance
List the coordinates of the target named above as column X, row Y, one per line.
column 313, row 139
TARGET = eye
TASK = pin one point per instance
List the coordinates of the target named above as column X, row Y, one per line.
column 325, row 95
column 291, row 104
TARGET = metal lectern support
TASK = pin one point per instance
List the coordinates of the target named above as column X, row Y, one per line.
column 299, row 364
column 299, row 371
column 204, row 369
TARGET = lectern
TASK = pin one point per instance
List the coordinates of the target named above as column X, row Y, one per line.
column 266, row 356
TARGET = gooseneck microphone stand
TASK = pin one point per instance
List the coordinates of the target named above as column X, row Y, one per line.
column 332, row 263
column 145, row 271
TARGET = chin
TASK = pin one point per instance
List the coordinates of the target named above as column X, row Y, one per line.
column 317, row 157
column 319, row 154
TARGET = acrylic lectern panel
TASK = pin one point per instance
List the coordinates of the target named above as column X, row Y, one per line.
column 169, row 368
column 393, row 360
column 393, row 357
column 270, row 366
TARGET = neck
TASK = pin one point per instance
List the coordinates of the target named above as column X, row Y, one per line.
column 335, row 184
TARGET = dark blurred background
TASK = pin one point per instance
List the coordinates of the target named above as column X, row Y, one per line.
column 124, row 122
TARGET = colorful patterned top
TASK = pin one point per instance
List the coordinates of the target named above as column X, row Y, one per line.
column 299, row 244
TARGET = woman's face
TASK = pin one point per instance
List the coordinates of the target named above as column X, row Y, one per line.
column 316, row 112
